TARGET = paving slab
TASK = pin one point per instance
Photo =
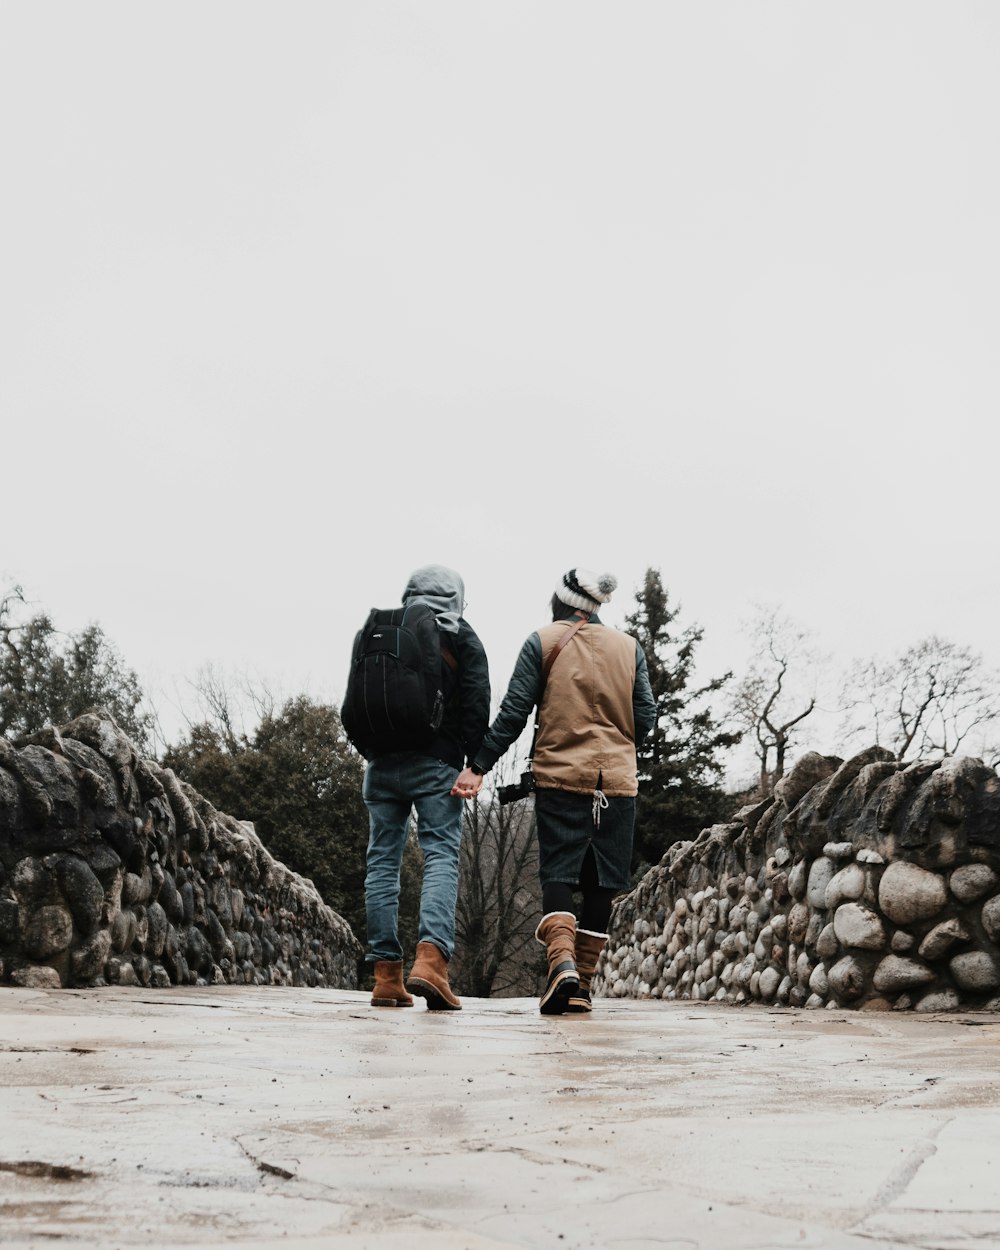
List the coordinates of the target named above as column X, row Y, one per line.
column 306, row 1118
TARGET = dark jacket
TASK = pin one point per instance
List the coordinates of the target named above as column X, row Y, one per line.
column 525, row 691
column 467, row 711
column 467, row 707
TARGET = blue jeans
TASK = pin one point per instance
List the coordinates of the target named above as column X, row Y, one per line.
column 393, row 786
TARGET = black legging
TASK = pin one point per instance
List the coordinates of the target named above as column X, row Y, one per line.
column 595, row 911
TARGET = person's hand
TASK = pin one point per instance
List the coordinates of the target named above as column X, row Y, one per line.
column 467, row 784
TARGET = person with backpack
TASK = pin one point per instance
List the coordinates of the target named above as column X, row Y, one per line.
column 591, row 687
column 416, row 707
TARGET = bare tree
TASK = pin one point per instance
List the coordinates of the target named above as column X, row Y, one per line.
column 929, row 700
column 11, row 603
column 232, row 704
column 778, row 691
column 499, row 898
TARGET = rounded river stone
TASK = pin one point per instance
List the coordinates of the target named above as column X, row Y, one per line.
column 972, row 881
column 908, row 892
column 820, row 875
column 857, row 926
column 847, row 979
column 48, row 931
column 895, row 973
column 975, row 970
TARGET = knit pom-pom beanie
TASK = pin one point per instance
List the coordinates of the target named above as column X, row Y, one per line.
column 581, row 588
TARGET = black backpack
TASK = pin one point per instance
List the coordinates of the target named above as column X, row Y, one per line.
column 399, row 683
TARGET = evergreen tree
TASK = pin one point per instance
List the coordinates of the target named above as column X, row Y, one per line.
column 48, row 678
column 679, row 767
column 298, row 780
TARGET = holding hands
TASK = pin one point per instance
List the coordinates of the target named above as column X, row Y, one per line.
column 467, row 784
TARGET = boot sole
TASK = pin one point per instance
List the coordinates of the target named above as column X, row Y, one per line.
column 436, row 1001
column 555, row 1000
column 391, row 1002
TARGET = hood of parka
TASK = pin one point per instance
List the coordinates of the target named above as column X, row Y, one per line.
column 440, row 588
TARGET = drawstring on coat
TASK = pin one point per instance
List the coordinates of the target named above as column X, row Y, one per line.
column 600, row 800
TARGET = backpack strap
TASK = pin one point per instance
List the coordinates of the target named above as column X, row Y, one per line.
column 447, row 654
column 581, row 619
column 554, row 653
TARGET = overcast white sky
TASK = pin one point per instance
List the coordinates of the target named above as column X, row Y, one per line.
column 296, row 297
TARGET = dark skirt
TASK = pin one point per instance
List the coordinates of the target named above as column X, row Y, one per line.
column 567, row 826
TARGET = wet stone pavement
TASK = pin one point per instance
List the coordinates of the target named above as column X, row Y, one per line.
column 299, row 1117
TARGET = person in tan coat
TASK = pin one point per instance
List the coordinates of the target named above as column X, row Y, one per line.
column 591, row 687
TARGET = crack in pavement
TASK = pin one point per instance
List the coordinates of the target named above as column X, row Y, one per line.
column 49, row 1171
column 899, row 1179
column 271, row 1169
column 534, row 1156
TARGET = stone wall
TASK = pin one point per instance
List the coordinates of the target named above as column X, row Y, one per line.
column 863, row 883
column 114, row 871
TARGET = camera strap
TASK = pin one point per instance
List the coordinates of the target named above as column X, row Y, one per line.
column 581, row 619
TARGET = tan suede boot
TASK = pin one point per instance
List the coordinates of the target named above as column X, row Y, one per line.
column 588, row 950
column 429, row 978
column 557, row 932
column 389, row 990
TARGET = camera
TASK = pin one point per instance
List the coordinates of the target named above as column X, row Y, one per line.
column 517, row 790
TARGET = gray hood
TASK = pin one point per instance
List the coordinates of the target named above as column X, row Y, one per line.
column 442, row 589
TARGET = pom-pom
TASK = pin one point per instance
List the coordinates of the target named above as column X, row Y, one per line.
column 606, row 583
